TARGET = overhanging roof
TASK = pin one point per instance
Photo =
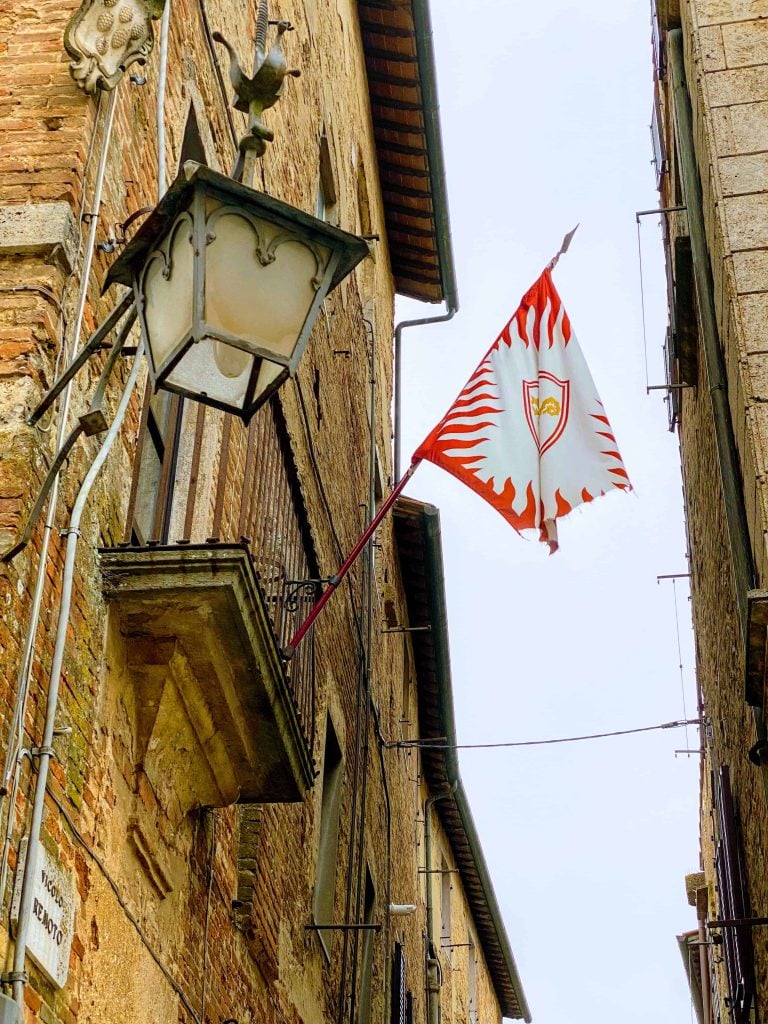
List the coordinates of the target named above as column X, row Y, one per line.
column 417, row 532
column 399, row 60
column 688, row 944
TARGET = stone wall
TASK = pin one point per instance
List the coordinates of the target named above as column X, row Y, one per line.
column 726, row 58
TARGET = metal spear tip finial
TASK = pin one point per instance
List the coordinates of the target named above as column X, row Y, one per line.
column 255, row 94
column 565, row 245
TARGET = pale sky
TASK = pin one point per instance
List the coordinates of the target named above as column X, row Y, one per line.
column 545, row 111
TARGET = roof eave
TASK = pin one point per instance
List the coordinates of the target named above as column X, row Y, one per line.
column 426, row 274
column 425, row 47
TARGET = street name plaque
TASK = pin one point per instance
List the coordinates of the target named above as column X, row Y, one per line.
column 53, row 911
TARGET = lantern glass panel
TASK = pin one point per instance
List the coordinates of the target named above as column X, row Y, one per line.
column 211, row 368
column 260, row 281
column 167, row 286
column 268, row 374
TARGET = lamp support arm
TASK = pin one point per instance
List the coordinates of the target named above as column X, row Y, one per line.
column 82, row 357
column 91, row 422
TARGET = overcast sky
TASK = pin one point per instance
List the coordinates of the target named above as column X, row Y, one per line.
column 545, row 111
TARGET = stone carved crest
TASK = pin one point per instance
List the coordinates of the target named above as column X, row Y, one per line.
column 104, row 37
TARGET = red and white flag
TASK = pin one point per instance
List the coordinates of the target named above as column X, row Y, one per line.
column 528, row 431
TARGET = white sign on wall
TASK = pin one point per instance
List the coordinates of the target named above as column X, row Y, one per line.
column 49, row 938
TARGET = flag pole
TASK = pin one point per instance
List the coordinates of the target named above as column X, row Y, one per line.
column 563, row 249
column 351, row 558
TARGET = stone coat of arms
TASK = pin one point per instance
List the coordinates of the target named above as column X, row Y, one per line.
column 104, row 37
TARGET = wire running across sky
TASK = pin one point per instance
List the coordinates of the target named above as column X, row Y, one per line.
column 439, row 743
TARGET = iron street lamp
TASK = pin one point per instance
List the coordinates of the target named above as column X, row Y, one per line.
column 228, row 283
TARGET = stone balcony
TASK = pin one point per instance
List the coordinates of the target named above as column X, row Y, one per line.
column 215, row 717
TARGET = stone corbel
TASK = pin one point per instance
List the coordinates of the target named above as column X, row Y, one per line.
column 104, row 37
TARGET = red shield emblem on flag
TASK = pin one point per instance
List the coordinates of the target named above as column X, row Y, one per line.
column 546, row 402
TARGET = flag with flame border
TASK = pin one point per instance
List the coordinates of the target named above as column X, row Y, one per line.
column 528, row 431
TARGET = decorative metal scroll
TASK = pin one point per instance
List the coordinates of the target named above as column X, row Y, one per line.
column 104, row 37
column 266, row 252
column 256, row 93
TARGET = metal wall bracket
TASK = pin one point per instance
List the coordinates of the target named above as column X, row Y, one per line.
column 91, row 422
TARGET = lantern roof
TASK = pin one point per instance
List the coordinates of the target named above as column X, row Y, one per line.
column 351, row 249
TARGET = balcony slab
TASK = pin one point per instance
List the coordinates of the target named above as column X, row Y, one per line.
column 213, row 713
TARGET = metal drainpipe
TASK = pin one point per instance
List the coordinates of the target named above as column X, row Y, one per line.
column 368, row 599
column 448, row 315
column 12, row 756
column 728, row 458
column 431, row 113
column 432, row 964
column 162, row 76
column 45, row 751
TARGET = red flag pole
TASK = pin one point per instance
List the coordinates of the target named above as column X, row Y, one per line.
column 351, row 558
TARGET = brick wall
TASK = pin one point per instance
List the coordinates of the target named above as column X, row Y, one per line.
column 141, row 948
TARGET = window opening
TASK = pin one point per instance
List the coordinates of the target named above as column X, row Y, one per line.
column 364, row 1006
column 445, row 903
column 363, row 202
column 330, row 807
column 327, row 193
column 316, row 393
column 472, row 980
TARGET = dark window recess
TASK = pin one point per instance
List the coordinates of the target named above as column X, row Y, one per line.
column 327, row 193
column 657, row 140
column 657, row 41
column 409, row 1008
column 316, row 393
column 330, row 809
column 682, row 341
column 686, row 326
column 366, row 966
column 399, row 1013
column 733, row 901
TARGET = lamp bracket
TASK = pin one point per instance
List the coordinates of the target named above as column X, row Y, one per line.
column 125, row 305
column 91, row 422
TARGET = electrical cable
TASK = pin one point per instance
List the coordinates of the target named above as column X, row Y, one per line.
column 437, row 744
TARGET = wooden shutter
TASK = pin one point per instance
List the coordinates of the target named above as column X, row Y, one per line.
column 733, row 902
